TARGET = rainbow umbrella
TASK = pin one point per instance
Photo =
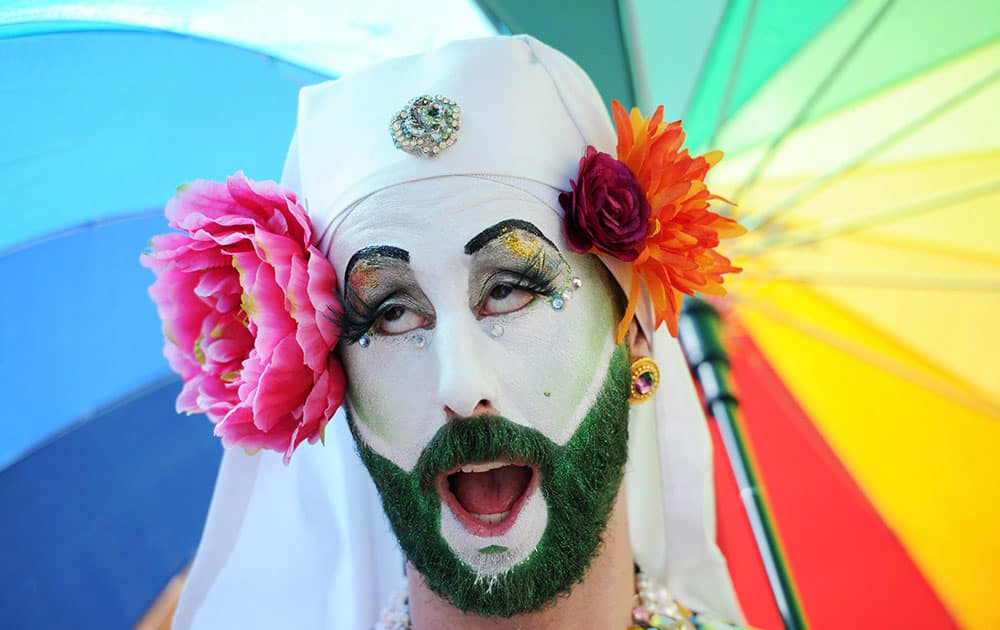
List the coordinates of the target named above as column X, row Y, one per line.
column 860, row 148
column 863, row 152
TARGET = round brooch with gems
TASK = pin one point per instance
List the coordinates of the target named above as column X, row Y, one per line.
column 426, row 126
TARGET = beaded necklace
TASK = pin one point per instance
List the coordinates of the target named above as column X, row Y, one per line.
column 654, row 608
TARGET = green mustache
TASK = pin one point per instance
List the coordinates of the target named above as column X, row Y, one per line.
column 483, row 439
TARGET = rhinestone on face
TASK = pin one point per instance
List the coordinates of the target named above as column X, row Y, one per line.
column 496, row 330
column 365, row 341
column 420, row 340
column 558, row 302
column 426, row 126
column 577, row 283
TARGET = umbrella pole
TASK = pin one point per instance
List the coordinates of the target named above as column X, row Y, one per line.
column 699, row 336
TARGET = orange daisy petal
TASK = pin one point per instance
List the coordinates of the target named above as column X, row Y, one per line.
column 679, row 256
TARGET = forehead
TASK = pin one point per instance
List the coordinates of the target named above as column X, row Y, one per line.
column 434, row 219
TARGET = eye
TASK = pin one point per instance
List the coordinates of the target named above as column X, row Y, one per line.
column 506, row 298
column 398, row 319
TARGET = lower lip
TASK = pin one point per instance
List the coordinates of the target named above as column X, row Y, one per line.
column 477, row 527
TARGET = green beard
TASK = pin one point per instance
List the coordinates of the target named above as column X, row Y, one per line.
column 579, row 483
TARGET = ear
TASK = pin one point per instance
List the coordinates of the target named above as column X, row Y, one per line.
column 638, row 345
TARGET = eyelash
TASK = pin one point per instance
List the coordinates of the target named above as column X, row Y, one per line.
column 532, row 280
column 354, row 325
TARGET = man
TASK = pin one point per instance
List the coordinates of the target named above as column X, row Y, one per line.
column 498, row 339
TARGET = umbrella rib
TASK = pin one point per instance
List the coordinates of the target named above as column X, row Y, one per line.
column 129, row 397
column 937, row 385
column 69, row 231
column 632, row 59
column 823, row 181
column 734, row 71
column 867, row 220
column 708, row 55
column 810, row 102
column 881, row 281
column 933, row 249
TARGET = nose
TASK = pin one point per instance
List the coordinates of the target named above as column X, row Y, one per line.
column 467, row 384
column 482, row 408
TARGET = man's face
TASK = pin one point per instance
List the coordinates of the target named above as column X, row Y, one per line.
column 488, row 398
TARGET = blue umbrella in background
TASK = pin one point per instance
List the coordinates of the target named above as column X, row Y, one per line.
column 105, row 109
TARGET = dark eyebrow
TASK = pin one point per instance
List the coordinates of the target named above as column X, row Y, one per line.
column 493, row 232
column 375, row 251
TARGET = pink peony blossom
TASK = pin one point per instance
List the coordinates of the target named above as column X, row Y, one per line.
column 245, row 300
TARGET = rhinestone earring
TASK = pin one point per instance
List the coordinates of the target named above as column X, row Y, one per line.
column 645, row 378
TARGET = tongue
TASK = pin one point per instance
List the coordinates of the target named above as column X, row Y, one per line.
column 490, row 492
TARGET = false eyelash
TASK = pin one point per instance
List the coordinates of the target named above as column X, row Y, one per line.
column 536, row 283
column 355, row 324
column 531, row 278
column 352, row 324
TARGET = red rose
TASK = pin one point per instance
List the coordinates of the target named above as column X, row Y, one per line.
column 606, row 209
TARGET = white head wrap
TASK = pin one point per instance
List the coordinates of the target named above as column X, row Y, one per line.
column 307, row 545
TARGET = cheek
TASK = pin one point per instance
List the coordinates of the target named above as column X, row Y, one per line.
column 556, row 361
column 391, row 386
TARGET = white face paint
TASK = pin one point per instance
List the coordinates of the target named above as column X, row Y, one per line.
column 452, row 344
column 542, row 371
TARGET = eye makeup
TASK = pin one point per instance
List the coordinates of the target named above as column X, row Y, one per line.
column 514, row 255
column 379, row 282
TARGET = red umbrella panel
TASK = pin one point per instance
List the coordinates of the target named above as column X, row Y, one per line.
column 848, row 567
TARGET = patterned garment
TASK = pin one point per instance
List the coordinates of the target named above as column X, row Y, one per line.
column 397, row 617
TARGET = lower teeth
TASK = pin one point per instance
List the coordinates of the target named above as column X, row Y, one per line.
column 492, row 519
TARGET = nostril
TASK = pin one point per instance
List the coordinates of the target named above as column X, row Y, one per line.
column 484, row 408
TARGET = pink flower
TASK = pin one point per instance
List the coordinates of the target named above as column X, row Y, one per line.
column 245, row 300
column 606, row 209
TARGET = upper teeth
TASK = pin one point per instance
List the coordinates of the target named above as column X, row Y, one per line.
column 478, row 468
column 490, row 518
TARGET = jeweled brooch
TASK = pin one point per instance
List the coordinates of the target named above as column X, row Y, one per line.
column 426, row 126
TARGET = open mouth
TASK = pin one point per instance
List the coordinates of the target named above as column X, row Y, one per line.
column 487, row 497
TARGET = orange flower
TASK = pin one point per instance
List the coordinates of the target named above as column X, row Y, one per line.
column 679, row 253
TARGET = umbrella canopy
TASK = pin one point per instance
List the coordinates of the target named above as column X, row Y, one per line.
column 862, row 152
